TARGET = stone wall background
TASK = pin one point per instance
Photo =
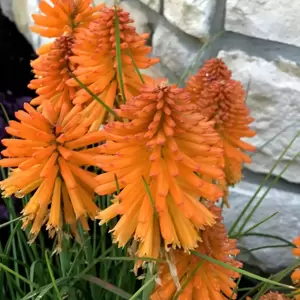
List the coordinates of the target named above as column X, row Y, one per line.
column 260, row 42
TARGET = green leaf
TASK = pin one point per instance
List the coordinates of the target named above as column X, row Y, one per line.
column 135, row 66
column 107, row 286
column 118, row 55
column 245, row 209
column 151, row 270
column 140, row 291
column 273, row 182
column 256, row 225
column 241, row 271
column 82, row 85
column 11, row 222
column 270, row 236
column 52, row 276
column 12, row 272
column 39, row 293
column 150, row 196
column 275, row 136
column 263, row 247
column 4, row 113
column 236, row 289
column 188, row 279
column 117, row 184
column 265, row 287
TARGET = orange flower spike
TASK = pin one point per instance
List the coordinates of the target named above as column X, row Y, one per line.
column 51, row 71
column 274, row 296
column 95, row 53
column 159, row 143
column 210, row 282
column 213, row 69
column 45, row 162
column 64, row 16
column 222, row 100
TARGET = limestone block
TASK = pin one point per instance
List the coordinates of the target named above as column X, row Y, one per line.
column 153, row 4
column 286, row 224
column 192, row 16
column 175, row 49
column 6, row 8
column 271, row 20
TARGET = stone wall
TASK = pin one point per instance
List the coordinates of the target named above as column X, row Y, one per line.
column 260, row 42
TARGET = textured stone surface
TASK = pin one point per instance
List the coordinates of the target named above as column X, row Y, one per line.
column 175, row 49
column 6, row 7
column 153, row 4
column 138, row 15
column 272, row 20
column 274, row 100
column 286, row 224
column 193, row 17
column 22, row 11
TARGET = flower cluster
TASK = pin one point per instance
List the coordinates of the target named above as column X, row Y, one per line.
column 206, row 280
column 51, row 71
column 274, row 296
column 172, row 149
column 95, row 54
column 64, row 17
column 222, row 99
column 48, row 155
column 168, row 159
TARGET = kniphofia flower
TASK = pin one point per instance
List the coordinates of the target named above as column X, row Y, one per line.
column 274, row 296
column 207, row 280
column 51, row 71
column 178, row 153
column 48, row 158
column 296, row 274
column 222, row 99
column 64, row 16
column 95, row 55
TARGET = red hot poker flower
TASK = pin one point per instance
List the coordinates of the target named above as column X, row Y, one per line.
column 178, row 154
column 51, row 71
column 274, row 296
column 64, row 16
column 47, row 158
column 210, row 281
column 95, row 53
column 213, row 69
column 222, row 99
